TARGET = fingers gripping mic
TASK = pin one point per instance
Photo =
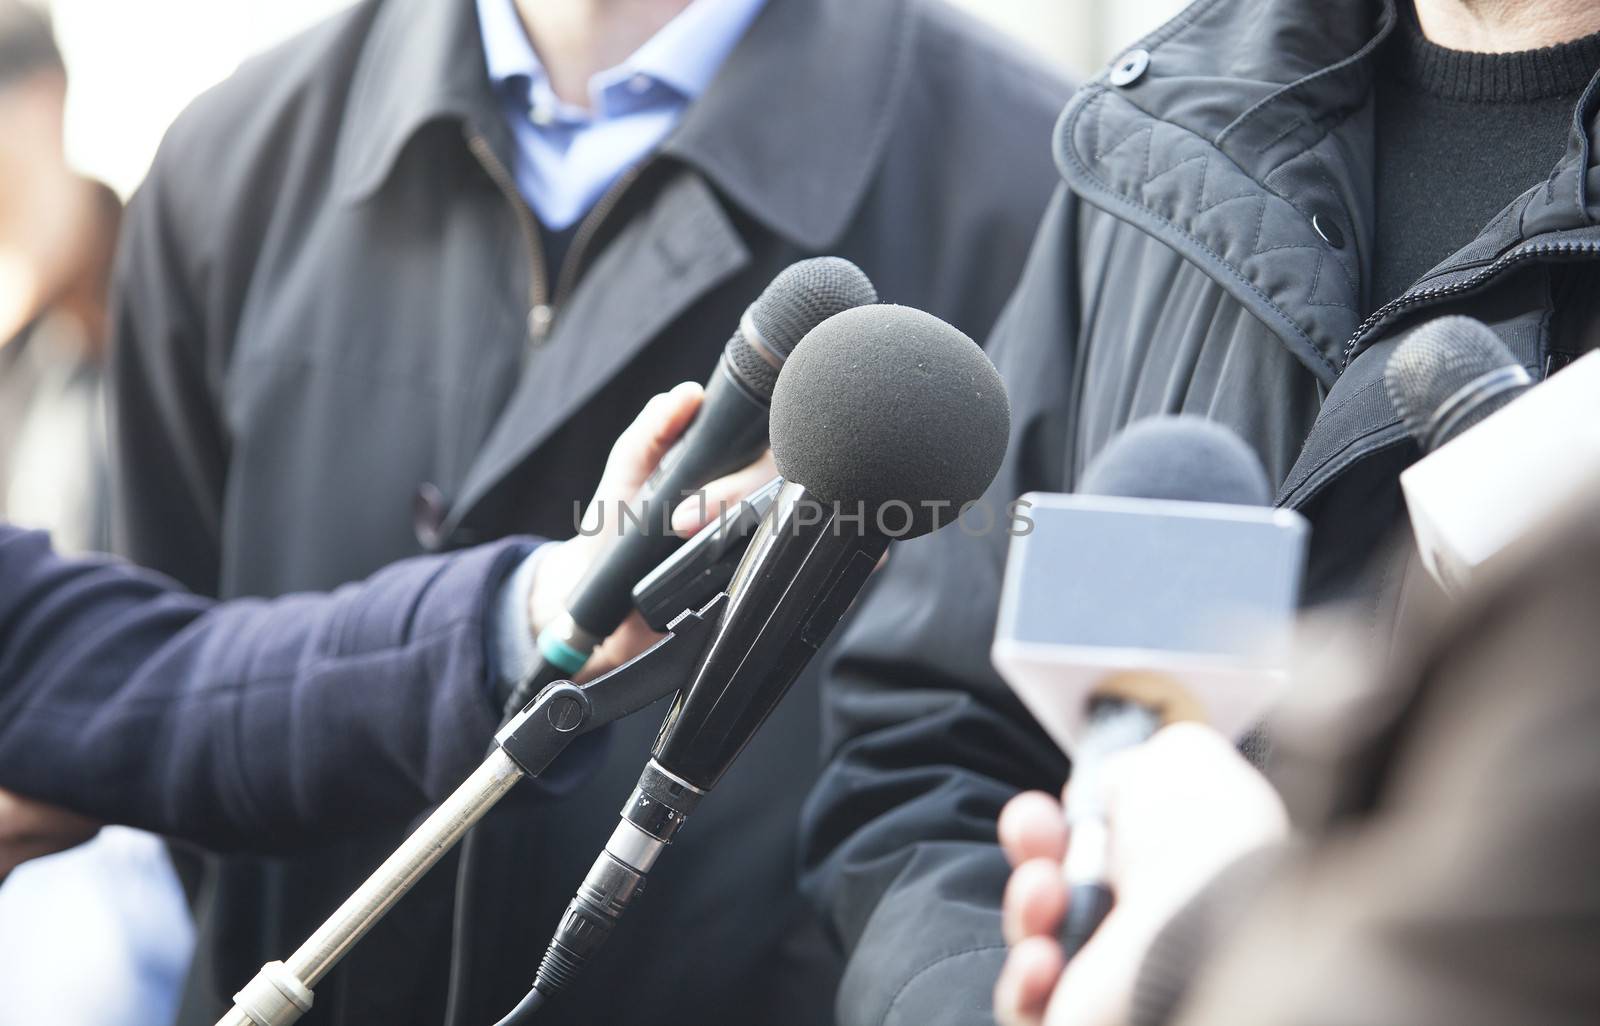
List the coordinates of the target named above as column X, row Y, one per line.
column 883, row 416
column 729, row 432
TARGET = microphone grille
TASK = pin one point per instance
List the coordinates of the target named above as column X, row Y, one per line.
column 806, row 294
column 1448, row 375
column 750, row 368
column 801, row 297
column 1184, row 458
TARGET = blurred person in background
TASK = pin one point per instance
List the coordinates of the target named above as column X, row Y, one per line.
column 1258, row 201
column 389, row 289
column 112, row 910
column 1431, row 858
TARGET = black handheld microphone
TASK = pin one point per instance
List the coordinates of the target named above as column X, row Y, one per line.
column 884, row 422
column 1501, row 458
column 1448, row 375
column 729, row 432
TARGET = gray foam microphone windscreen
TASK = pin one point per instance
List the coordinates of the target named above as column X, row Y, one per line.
column 884, row 405
column 1185, row 458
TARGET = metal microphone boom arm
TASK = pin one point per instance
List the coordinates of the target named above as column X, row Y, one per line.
column 281, row 992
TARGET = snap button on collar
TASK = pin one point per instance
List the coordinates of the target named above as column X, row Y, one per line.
column 1328, row 229
column 1130, row 67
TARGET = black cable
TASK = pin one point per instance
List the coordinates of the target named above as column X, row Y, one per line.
column 524, row 1012
column 467, row 871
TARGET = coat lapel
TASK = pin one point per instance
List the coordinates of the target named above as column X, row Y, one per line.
column 659, row 264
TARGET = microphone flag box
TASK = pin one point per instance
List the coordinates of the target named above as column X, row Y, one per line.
column 1189, row 605
column 1496, row 482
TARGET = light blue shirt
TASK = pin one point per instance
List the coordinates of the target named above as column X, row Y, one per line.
column 567, row 157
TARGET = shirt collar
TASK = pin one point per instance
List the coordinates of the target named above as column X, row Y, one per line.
column 684, row 55
column 801, row 168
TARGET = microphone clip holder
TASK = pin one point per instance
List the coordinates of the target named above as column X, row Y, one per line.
column 526, row 746
column 565, row 711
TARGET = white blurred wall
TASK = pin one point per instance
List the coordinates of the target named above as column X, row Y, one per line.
column 136, row 63
column 1082, row 35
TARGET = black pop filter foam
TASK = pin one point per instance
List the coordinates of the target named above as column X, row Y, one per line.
column 1184, row 458
column 884, row 405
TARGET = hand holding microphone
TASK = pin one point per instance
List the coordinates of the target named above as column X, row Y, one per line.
column 1161, row 594
column 721, row 450
column 634, row 457
column 1181, row 807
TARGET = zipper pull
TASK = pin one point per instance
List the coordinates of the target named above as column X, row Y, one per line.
column 539, row 321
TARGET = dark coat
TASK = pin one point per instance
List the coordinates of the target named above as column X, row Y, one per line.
column 323, row 322
column 261, row 725
column 1180, row 269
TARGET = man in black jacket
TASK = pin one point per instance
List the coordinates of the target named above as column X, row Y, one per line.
column 1251, row 216
column 340, row 337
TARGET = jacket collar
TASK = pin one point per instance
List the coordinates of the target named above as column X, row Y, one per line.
column 800, row 168
column 1250, row 126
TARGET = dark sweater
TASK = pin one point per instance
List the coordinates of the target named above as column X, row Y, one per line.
column 1460, row 135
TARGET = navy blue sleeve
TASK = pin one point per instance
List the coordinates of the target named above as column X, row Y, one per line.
column 253, row 724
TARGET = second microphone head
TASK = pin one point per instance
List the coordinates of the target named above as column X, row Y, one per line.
column 889, row 406
column 801, row 297
column 1181, row 457
column 1448, row 375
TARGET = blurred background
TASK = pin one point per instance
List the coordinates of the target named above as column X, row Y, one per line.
column 134, row 64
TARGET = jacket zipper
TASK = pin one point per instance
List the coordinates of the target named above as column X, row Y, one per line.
column 588, row 228
column 543, row 305
column 1421, row 296
column 540, row 311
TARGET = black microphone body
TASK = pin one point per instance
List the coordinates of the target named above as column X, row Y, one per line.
column 801, row 572
column 728, row 433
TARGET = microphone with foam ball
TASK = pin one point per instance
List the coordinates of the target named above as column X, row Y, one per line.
column 883, row 421
column 729, row 432
column 1164, row 590
column 1501, row 457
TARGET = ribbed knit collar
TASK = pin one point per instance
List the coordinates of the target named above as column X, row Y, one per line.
column 1562, row 70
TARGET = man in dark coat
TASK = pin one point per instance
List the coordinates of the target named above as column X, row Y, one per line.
column 339, row 339
column 1259, row 200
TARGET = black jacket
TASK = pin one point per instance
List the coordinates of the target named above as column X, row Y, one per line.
column 323, row 325
column 1180, row 269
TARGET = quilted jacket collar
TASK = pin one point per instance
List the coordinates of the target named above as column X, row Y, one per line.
column 1251, row 128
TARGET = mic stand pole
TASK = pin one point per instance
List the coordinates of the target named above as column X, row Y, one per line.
column 282, row 991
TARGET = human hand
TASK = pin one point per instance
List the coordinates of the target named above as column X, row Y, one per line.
column 634, row 457
column 1180, row 808
column 30, row 829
